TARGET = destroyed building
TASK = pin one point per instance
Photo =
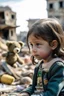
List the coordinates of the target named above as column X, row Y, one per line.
column 7, row 23
column 55, row 9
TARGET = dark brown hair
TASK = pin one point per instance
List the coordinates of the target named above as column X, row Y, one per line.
column 49, row 29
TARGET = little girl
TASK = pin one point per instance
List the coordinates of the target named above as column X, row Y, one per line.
column 45, row 42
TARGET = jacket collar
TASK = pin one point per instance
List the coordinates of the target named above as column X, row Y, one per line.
column 46, row 66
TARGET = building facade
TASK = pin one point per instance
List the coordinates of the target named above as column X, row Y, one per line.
column 55, row 9
column 31, row 22
column 7, row 23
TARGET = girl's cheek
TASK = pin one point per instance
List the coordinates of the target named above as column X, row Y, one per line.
column 44, row 54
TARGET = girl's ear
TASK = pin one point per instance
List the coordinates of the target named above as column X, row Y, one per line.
column 54, row 44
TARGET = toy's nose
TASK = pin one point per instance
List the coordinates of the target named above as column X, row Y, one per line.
column 16, row 50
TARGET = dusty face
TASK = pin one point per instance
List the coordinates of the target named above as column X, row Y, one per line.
column 39, row 48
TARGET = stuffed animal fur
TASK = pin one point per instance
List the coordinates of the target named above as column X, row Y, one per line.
column 11, row 56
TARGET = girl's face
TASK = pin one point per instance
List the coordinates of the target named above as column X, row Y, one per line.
column 39, row 48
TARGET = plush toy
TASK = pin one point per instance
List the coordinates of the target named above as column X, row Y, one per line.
column 11, row 55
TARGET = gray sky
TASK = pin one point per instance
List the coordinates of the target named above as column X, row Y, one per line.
column 9, row 0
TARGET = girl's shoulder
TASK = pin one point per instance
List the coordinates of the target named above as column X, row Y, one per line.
column 56, row 62
column 59, row 63
column 57, row 67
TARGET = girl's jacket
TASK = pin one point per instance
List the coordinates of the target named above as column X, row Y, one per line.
column 52, row 78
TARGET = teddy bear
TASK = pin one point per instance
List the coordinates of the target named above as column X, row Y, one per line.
column 12, row 55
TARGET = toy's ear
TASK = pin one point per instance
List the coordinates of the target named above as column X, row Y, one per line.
column 21, row 43
column 8, row 43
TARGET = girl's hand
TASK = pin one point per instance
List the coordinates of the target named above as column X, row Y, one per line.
column 24, row 94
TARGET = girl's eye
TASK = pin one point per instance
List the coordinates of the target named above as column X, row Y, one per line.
column 38, row 44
